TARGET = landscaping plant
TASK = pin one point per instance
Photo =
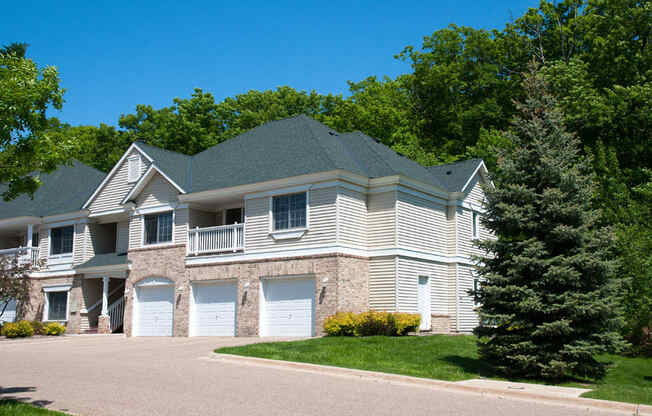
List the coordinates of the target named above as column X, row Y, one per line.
column 371, row 323
column 549, row 294
column 20, row 329
column 54, row 328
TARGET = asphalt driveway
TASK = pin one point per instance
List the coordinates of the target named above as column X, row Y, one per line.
column 176, row 376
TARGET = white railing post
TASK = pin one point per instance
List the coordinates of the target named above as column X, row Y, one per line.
column 235, row 237
column 30, row 231
column 196, row 240
column 105, row 296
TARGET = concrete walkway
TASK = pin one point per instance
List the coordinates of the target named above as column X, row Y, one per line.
column 179, row 376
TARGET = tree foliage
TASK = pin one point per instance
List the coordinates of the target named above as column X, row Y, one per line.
column 26, row 92
column 549, row 295
column 14, row 284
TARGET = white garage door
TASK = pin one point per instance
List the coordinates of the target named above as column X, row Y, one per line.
column 214, row 309
column 155, row 312
column 287, row 307
column 10, row 312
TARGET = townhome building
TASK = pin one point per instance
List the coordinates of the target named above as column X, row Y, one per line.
column 264, row 234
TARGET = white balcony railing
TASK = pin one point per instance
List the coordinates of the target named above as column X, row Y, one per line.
column 216, row 239
column 25, row 254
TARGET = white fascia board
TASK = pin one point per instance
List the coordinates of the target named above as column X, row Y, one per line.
column 145, row 178
column 57, row 288
column 158, row 208
column 71, row 218
column 104, row 269
column 327, row 249
column 114, row 170
column 480, row 168
column 259, row 187
column 108, row 212
column 384, row 184
column 12, row 222
column 52, row 273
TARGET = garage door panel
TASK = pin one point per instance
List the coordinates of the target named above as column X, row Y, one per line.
column 214, row 312
column 288, row 307
column 155, row 311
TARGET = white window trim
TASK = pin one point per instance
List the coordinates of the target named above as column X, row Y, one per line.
column 61, row 258
column 288, row 233
column 475, row 224
column 134, row 178
column 143, row 242
column 58, row 288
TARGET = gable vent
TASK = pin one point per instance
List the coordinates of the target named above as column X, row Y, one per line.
column 133, row 168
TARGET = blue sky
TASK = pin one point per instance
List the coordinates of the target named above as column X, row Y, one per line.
column 114, row 55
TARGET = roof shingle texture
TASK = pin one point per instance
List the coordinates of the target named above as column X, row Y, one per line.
column 455, row 175
column 64, row 190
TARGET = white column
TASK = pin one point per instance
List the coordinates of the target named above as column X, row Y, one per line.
column 30, row 231
column 105, row 295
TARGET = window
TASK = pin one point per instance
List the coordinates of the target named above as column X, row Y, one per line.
column 476, row 287
column 232, row 216
column 158, row 228
column 61, row 240
column 289, row 211
column 133, row 168
column 57, row 306
column 476, row 225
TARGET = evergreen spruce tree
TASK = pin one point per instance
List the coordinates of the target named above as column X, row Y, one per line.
column 548, row 292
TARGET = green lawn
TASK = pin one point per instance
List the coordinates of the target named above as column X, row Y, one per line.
column 15, row 408
column 440, row 357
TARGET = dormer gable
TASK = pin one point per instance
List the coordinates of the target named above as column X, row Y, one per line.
column 126, row 173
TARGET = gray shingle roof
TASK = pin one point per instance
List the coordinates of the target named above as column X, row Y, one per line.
column 175, row 165
column 297, row 146
column 101, row 260
column 455, row 175
column 64, row 190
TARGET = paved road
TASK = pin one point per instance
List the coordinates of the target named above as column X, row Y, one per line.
column 175, row 376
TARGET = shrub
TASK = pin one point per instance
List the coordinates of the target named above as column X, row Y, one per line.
column 17, row 329
column 341, row 324
column 54, row 328
column 406, row 322
column 371, row 323
column 39, row 327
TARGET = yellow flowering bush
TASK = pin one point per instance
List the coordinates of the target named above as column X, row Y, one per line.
column 371, row 323
column 54, row 328
column 17, row 329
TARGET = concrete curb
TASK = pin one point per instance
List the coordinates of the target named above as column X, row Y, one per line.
column 628, row 408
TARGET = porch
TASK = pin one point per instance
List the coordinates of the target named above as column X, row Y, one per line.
column 216, row 229
column 20, row 241
column 106, row 314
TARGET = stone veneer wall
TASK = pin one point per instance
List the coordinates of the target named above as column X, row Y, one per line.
column 440, row 324
column 37, row 300
column 345, row 290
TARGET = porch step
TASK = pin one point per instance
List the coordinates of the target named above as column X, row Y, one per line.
column 89, row 331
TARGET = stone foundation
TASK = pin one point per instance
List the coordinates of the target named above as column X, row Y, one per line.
column 441, row 324
column 103, row 324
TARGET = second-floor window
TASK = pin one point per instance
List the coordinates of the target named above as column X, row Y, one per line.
column 61, row 240
column 158, row 228
column 289, row 211
column 476, row 225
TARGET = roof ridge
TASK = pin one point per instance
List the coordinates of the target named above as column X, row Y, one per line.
column 315, row 138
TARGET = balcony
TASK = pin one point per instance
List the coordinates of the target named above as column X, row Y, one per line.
column 26, row 255
column 219, row 239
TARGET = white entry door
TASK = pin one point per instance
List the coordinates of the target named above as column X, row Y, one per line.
column 214, row 309
column 287, row 307
column 9, row 314
column 155, row 311
column 424, row 303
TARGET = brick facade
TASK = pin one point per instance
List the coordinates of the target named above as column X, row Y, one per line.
column 37, row 300
column 341, row 284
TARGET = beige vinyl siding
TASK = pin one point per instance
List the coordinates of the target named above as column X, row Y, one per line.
column 135, row 231
column 381, row 220
column 117, row 187
column 468, row 318
column 408, row 274
column 465, row 233
column 382, row 283
column 474, row 193
column 451, row 231
column 352, row 218
column 451, row 296
column 180, row 226
column 201, row 219
column 321, row 222
column 44, row 243
column 157, row 192
column 122, row 237
column 82, row 249
column 421, row 224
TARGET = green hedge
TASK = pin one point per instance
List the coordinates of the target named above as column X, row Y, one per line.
column 54, row 328
column 371, row 323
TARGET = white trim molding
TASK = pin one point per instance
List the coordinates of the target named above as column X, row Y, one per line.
column 115, row 168
column 46, row 306
column 145, row 178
